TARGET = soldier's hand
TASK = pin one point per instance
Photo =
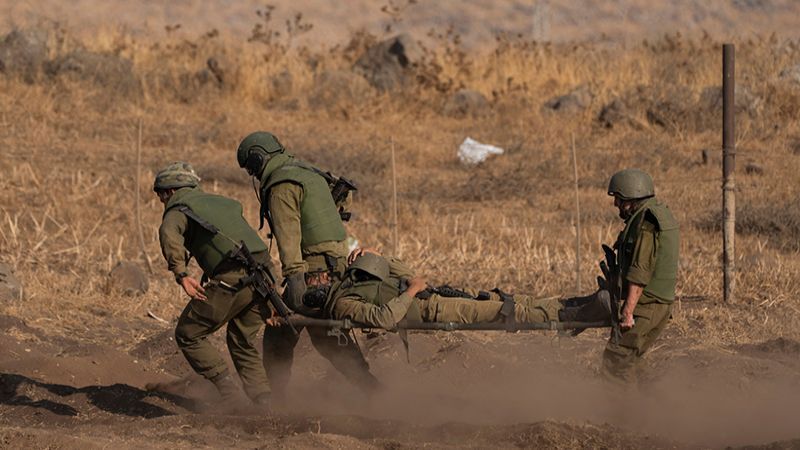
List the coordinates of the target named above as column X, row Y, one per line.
column 626, row 321
column 415, row 286
column 360, row 251
column 193, row 288
column 274, row 321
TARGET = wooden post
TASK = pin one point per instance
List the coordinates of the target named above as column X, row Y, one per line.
column 728, row 167
column 395, row 234
column 142, row 246
column 577, row 221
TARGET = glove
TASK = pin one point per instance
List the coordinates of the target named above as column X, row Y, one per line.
column 295, row 288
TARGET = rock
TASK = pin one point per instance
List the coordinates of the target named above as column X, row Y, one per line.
column 10, row 287
column 281, row 84
column 618, row 113
column 128, row 279
column 791, row 74
column 746, row 102
column 795, row 147
column 337, row 87
column 753, row 169
column 466, row 102
column 389, row 64
column 23, row 52
column 102, row 69
column 574, row 101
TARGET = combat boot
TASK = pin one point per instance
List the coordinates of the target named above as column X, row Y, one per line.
column 228, row 389
column 593, row 308
column 263, row 401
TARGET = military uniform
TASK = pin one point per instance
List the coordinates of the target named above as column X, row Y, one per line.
column 647, row 254
column 227, row 302
column 380, row 301
column 305, row 222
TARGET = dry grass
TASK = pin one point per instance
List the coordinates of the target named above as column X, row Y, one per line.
column 68, row 164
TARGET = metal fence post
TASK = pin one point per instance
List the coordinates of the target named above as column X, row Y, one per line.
column 728, row 167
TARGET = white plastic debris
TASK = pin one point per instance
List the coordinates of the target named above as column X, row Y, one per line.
column 473, row 152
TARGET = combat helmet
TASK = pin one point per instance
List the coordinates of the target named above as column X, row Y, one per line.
column 256, row 149
column 631, row 184
column 375, row 265
column 176, row 175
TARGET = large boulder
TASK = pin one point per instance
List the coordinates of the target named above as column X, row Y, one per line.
column 466, row 102
column 102, row 69
column 745, row 101
column 333, row 88
column 127, row 278
column 576, row 100
column 619, row 113
column 22, row 53
column 10, row 287
column 390, row 64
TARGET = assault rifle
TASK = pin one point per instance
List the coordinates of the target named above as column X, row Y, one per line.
column 260, row 277
column 445, row 290
column 613, row 285
column 340, row 188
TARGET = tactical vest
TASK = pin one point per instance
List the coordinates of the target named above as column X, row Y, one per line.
column 372, row 291
column 208, row 249
column 319, row 217
column 661, row 287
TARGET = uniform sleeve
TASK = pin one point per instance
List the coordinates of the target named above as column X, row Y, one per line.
column 398, row 268
column 170, row 236
column 643, row 260
column 284, row 205
column 385, row 316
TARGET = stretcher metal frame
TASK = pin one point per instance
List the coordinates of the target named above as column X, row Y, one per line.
column 347, row 324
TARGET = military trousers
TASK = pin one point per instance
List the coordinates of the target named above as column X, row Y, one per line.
column 460, row 310
column 244, row 316
column 343, row 353
column 621, row 359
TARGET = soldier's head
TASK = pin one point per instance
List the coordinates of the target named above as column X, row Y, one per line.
column 173, row 177
column 629, row 188
column 256, row 150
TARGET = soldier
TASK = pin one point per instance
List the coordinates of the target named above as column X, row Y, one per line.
column 647, row 257
column 379, row 292
column 222, row 300
column 303, row 218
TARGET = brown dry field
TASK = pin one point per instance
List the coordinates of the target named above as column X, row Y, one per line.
column 75, row 357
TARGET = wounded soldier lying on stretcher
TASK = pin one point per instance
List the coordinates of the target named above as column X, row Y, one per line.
column 379, row 292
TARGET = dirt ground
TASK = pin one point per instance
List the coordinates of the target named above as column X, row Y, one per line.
column 459, row 391
column 77, row 356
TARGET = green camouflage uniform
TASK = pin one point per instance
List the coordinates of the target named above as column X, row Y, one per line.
column 238, row 308
column 647, row 252
column 311, row 237
column 382, row 304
